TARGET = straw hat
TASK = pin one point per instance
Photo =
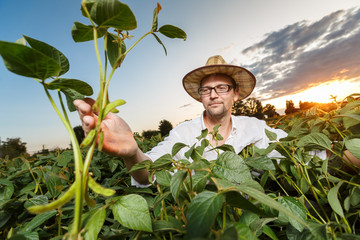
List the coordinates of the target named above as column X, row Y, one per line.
column 244, row 79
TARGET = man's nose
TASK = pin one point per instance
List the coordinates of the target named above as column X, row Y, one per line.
column 213, row 93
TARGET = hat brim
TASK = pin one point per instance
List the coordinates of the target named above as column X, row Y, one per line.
column 244, row 79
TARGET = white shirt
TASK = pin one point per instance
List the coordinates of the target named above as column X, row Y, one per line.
column 245, row 131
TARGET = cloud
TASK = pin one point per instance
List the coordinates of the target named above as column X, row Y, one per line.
column 227, row 48
column 185, row 105
column 306, row 54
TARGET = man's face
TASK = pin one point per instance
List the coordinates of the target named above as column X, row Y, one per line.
column 218, row 104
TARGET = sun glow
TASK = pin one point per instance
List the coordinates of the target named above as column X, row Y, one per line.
column 321, row 94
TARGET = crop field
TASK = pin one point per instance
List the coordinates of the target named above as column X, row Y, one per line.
column 83, row 193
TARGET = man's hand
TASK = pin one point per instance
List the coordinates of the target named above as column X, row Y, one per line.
column 118, row 138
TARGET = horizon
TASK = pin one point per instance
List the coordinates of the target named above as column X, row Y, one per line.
column 298, row 50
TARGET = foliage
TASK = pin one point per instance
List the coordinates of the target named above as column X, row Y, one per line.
column 270, row 111
column 252, row 107
column 148, row 134
column 237, row 196
column 246, row 195
column 290, row 107
column 12, row 147
column 45, row 64
column 165, row 127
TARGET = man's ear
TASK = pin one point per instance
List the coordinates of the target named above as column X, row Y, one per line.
column 236, row 94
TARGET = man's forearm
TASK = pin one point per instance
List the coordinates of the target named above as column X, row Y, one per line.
column 141, row 176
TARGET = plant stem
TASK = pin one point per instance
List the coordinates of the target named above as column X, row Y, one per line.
column 132, row 46
column 78, row 165
column 224, row 218
column 62, row 106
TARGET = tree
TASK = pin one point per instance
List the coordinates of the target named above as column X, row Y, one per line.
column 165, row 127
column 13, row 147
column 238, row 108
column 149, row 133
column 290, row 107
column 255, row 108
column 252, row 108
column 270, row 111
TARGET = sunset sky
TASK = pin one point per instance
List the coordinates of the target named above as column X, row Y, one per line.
column 298, row 50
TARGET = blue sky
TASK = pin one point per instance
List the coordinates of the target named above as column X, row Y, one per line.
column 298, row 50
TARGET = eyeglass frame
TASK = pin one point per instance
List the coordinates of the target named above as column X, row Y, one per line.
column 214, row 88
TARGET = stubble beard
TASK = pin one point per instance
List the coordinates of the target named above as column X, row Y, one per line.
column 217, row 113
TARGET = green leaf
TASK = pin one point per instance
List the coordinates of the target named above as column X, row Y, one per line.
column 94, row 224
column 202, row 212
column 132, row 212
column 163, row 177
column 71, row 95
column 115, row 50
column 269, row 232
column 226, row 148
column 260, row 163
column 352, row 144
column 177, row 147
column 351, row 120
column 160, row 42
column 244, row 232
column 271, row 135
column 176, row 183
column 349, row 107
column 172, row 32
column 315, row 140
column 38, row 220
column 294, row 206
column 37, row 200
column 111, row 13
column 82, row 33
column 199, row 181
column 65, row 158
column 235, row 199
column 6, row 189
column 4, row 217
column 75, row 84
column 265, row 199
column 257, row 225
column 28, row 62
column 155, row 17
column 113, row 164
column 229, row 234
column 355, row 196
column 141, row 165
column 163, row 161
column 163, row 225
column 334, row 200
column 51, row 52
column 109, row 107
column 204, row 133
column 54, row 185
column 232, row 167
column 28, row 188
column 25, row 236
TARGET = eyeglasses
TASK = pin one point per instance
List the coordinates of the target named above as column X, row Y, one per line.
column 221, row 88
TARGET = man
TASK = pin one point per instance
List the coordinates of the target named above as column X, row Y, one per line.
column 217, row 85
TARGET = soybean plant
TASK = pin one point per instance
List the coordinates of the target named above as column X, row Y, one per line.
column 45, row 64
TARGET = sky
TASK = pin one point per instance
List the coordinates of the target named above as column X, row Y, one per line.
column 300, row 50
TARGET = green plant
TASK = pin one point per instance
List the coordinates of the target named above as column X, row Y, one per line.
column 42, row 62
column 246, row 195
column 237, row 196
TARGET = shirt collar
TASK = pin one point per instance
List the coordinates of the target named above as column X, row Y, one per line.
column 234, row 126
